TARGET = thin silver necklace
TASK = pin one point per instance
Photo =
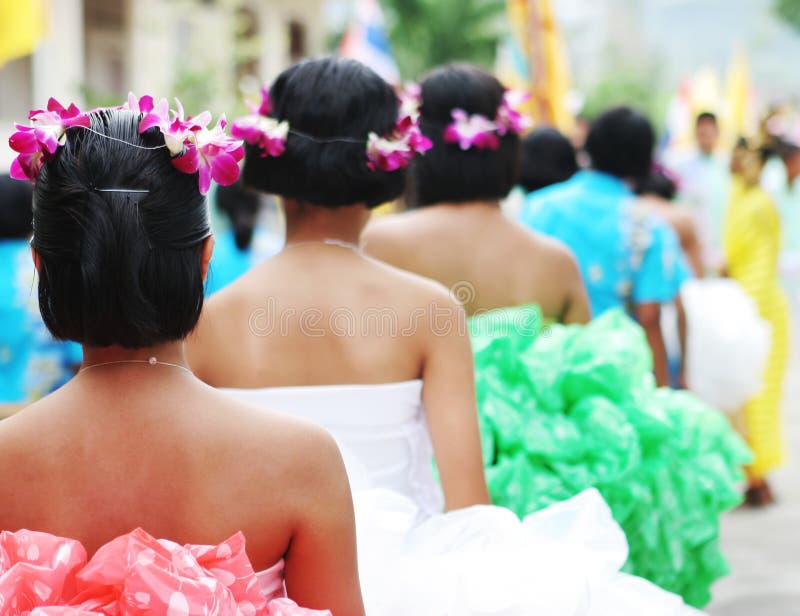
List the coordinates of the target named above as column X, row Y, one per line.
column 328, row 242
column 151, row 361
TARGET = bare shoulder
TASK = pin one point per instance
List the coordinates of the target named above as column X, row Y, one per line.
column 256, row 428
column 418, row 290
column 220, row 321
column 545, row 247
column 385, row 235
column 273, row 448
column 682, row 220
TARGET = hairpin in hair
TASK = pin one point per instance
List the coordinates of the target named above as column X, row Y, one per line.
column 194, row 147
column 478, row 131
column 387, row 152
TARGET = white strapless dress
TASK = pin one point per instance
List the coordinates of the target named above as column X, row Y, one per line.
column 478, row 561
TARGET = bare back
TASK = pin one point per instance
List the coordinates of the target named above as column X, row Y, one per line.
column 319, row 314
column 487, row 260
column 153, row 447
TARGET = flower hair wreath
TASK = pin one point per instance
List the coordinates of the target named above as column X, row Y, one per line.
column 388, row 152
column 194, row 147
column 478, row 131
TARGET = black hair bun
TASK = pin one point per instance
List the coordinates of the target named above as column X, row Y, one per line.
column 118, row 268
column 447, row 173
column 330, row 98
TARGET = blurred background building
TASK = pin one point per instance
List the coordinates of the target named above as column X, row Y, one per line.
column 661, row 54
column 207, row 52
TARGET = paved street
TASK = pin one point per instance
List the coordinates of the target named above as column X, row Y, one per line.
column 764, row 545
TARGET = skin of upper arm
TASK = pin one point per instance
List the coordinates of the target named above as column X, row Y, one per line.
column 578, row 309
column 649, row 317
column 448, row 395
column 321, row 565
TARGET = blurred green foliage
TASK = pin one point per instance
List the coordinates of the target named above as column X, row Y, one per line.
column 426, row 33
column 195, row 88
column 95, row 98
column 789, row 11
column 636, row 85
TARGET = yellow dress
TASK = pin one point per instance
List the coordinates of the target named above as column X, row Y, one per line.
column 752, row 245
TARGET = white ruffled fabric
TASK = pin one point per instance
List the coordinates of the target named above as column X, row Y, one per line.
column 478, row 561
column 562, row 561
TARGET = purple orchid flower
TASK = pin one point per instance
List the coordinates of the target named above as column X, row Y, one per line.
column 510, row 117
column 267, row 134
column 38, row 142
column 212, row 154
column 471, row 131
column 396, row 150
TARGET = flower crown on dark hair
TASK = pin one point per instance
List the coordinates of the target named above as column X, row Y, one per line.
column 388, row 152
column 478, row 131
column 194, row 147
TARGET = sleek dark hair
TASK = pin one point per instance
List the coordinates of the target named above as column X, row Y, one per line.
column 335, row 103
column 705, row 116
column 447, row 173
column 16, row 214
column 547, row 158
column 620, row 142
column 657, row 183
column 118, row 268
column 241, row 206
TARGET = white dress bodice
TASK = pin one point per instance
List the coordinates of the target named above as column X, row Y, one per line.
column 381, row 425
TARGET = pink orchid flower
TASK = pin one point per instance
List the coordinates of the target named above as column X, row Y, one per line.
column 267, row 134
column 139, row 105
column 410, row 100
column 172, row 125
column 386, row 154
column 396, row 150
column 471, row 130
column 510, row 117
column 265, row 107
column 212, row 154
column 38, row 142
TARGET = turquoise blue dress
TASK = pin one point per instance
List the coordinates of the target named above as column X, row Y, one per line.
column 626, row 255
column 32, row 363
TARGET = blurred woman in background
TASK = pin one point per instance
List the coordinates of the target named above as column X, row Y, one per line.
column 456, row 232
column 752, row 248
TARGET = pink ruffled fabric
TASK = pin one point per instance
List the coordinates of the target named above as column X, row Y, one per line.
column 45, row 575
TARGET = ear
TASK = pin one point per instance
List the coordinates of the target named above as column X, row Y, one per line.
column 206, row 251
column 36, row 260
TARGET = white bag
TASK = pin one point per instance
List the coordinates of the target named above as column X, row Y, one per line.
column 727, row 343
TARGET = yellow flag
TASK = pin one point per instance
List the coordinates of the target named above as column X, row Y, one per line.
column 21, row 27
column 538, row 39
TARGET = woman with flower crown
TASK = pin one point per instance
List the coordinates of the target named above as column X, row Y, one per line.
column 122, row 245
column 382, row 359
column 462, row 238
column 562, row 408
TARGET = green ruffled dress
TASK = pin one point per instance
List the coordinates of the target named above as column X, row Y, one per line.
column 564, row 408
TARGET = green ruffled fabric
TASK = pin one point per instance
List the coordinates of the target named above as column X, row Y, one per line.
column 564, row 408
